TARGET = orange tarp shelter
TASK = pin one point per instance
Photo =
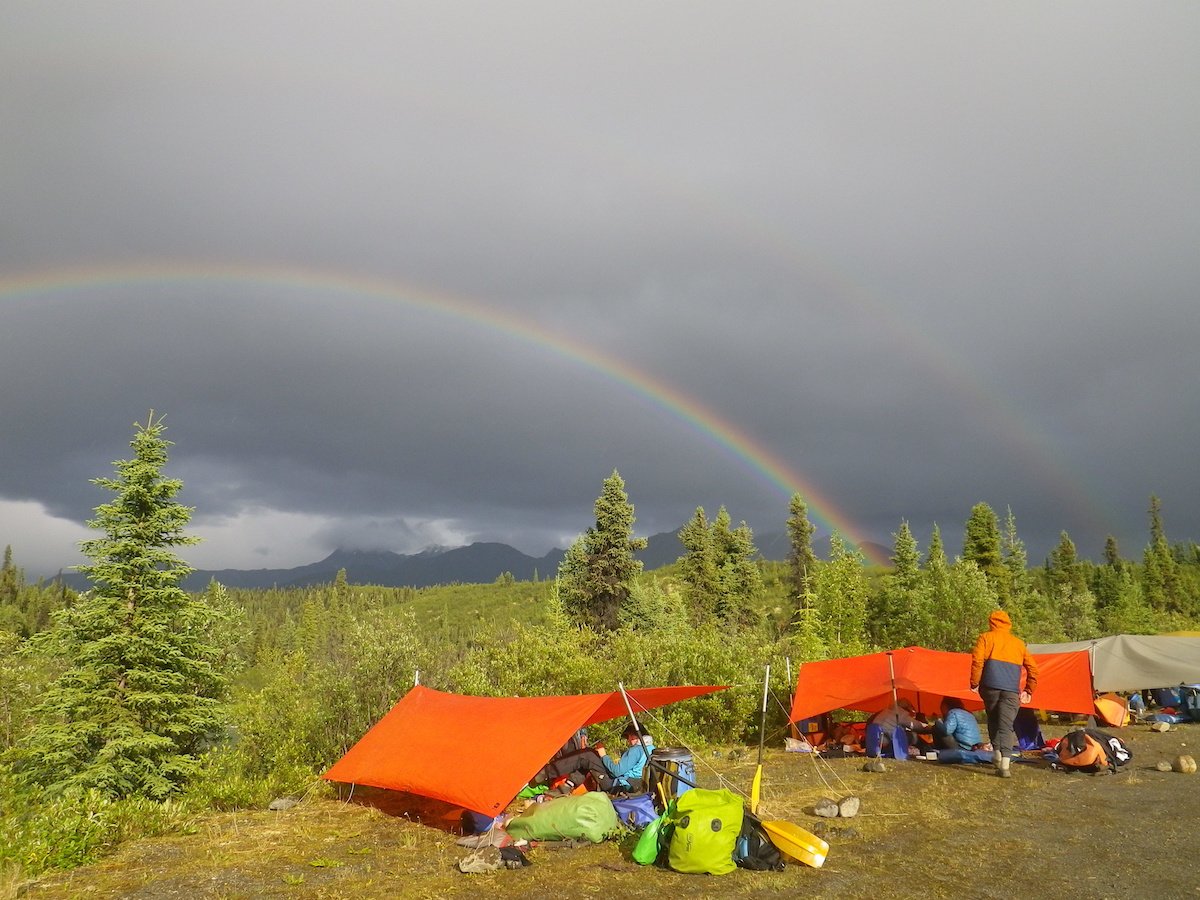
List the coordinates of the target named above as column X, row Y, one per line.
column 478, row 752
column 924, row 677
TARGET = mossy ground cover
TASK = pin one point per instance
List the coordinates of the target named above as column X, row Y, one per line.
column 925, row 830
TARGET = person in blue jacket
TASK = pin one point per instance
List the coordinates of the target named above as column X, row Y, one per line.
column 957, row 729
column 626, row 773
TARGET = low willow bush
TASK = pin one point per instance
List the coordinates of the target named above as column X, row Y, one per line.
column 230, row 780
column 38, row 833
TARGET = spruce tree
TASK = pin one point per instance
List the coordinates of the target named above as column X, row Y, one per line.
column 597, row 575
column 841, row 588
column 1164, row 587
column 981, row 545
column 697, row 567
column 1064, row 567
column 1012, row 549
column 1112, row 553
column 739, row 579
column 11, row 579
column 801, row 558
column 906, row 557
column 898, row 611
column 935, row 556
column 140, row 697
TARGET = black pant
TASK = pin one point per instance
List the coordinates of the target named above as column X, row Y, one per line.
column 1001, row 709
column 576, row 766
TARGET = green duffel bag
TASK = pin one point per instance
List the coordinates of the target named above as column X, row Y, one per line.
column 707, row 824
column 589, row 817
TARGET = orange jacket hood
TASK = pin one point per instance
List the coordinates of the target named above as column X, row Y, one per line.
column 999, row 656
column 999, row 621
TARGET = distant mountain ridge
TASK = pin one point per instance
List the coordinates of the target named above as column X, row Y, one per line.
column 478, row 563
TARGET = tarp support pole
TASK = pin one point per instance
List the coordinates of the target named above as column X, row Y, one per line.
column 892, row 676
column 642, row 740
column 633, row 719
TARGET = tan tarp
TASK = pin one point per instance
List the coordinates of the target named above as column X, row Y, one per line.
column 1130, row 662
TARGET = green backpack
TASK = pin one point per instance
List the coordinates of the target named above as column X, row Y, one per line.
column 707, row 824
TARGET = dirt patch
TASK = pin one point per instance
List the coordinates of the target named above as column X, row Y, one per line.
column 925, row 829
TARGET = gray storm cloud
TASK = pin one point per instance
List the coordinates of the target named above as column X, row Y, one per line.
column 407, row 272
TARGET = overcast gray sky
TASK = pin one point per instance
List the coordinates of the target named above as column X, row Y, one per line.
column 403, row 274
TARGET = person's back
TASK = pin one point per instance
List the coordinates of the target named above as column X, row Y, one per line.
column 999, row 656
column 996, row 664
column 962, row 727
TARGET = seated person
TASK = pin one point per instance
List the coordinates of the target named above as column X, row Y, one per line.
column 957, row 729
column 573, row 765
column 626, row 772
column 888, row 730
column 569, row 765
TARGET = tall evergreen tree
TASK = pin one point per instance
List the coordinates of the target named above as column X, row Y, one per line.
column 936, row 554
column 596, row 577
column 739, row 579
column 1016, row 561
column 897, row 608
column 1163, row 586
column 1064, row 567
column 801, row 558
column 1112, row 554
column 719, row 570
column 140, row 697
column 981, row 545
column 841, row 590
column 698, row 566
column 10, row 579
column 1076, row 603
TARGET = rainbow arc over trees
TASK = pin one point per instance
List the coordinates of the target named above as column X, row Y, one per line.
column 716, row 430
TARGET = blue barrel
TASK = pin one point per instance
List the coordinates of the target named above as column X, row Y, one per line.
column 674, row 769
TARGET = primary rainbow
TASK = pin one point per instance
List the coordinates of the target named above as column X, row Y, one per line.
column 714, row 428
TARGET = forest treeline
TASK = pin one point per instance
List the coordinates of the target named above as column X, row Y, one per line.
column 131, row 707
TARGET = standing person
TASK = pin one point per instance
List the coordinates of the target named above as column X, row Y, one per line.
column 996, row 664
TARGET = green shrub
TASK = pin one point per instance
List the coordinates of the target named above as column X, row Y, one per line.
column 38, row 833
column 225, row 782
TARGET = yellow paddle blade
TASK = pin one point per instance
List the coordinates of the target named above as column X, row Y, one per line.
column 755, row 786
column 795, row 843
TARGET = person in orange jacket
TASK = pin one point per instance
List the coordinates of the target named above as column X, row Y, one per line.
column 996, row 664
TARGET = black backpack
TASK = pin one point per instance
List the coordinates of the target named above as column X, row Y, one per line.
column 754, row 849
column 1115, row 749
column 1107, row 751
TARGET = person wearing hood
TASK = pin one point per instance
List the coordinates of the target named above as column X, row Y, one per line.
column 627, row 771
column 996, row 664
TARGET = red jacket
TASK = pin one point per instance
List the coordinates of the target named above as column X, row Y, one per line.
column 999, row 656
